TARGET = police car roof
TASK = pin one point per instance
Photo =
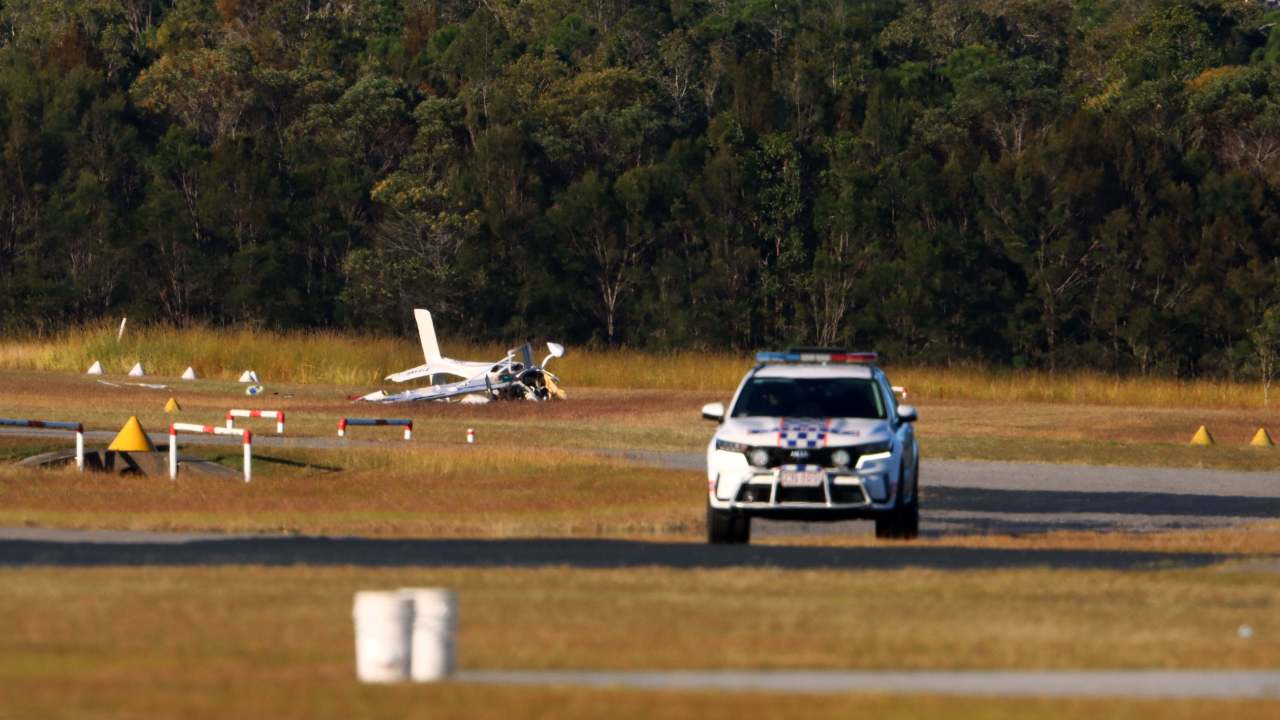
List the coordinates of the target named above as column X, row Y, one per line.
column 815, row 370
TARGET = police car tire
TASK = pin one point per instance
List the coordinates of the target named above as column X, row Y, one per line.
column 909, row 522
column 909, row 514
column 903, row 521
column 742, row 529
column 727, row 528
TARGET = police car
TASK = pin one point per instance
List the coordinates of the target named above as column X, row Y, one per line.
column 813, row 435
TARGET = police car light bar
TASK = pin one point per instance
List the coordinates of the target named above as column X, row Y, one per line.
column 860, row 358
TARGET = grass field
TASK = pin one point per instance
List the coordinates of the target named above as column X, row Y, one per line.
column 455, row 494
column 250, row 641
column 259, row 642
column 668, row 420
column 360, row 360
column 410, row 493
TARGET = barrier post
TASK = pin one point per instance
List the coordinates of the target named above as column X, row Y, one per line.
column 248, row 456
column 245, row 435
column 80, row 448
column 344, row 423
column 278, row 414
column 173, row 452
column 77, row 428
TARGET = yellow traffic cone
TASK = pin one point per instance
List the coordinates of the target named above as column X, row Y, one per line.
column 1262, row 439
column 132, row 438
column 172, row 406
column 1202, row 437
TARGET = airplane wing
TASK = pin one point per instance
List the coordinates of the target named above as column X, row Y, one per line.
column 434, row 392
column 465, row 369
column 410, row 374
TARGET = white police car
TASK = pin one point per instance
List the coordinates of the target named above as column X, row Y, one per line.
column 813, row 435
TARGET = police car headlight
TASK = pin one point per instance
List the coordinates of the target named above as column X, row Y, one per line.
column 732, row 446
column 840, row 458
column 876, row 448
column 758, row 457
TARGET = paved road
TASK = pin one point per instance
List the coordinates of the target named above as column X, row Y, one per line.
column 1176, row 684
column 37, row 546
column 966, row 497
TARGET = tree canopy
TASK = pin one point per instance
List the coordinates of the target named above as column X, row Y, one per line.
column 1056, row 183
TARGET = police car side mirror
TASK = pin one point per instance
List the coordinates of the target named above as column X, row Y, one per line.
column 907, row 413
column 713, row 411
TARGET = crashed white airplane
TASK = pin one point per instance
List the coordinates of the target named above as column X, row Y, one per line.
column 506, row 379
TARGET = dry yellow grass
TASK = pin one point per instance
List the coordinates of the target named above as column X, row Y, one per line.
column 277, row 642
column 419, row 492
column 354, row 359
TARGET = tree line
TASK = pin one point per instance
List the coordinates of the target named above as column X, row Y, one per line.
column 1049, row 183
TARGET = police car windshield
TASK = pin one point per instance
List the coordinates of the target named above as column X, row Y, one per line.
column 810, row 397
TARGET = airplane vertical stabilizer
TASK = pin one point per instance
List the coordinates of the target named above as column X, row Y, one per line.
column 427, row 333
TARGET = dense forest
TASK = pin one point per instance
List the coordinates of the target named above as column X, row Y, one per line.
column 1016, row 182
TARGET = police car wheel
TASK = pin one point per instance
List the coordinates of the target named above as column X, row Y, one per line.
column 727, row 528
column 903, row 521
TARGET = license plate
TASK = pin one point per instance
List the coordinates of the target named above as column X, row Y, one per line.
column 801, row 478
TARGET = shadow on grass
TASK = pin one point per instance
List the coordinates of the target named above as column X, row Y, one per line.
column 234, row 460
column 1058, row 502
column 296, row 463
column 71, row 548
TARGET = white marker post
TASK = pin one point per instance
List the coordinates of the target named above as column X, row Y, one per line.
column 175, row 428
column 277, row 414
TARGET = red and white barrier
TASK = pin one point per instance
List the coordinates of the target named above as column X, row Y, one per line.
column 76, row 427
column 900, row 391
column 407, row 423
column 277, row 414
column 175, row 428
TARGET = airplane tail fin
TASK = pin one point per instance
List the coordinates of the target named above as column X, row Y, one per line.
column 427, row 333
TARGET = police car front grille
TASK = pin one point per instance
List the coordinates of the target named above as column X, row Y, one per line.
column 754, row 493
column 802, row 495
column 799, row 456
column 847, row 495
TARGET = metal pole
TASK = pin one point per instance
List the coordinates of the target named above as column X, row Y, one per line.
column 173, row 453
column 80, row 448
column 280, row 423
column 248, row 456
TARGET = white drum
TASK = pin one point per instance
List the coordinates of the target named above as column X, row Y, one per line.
column 435, row 623
column 382, row 624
